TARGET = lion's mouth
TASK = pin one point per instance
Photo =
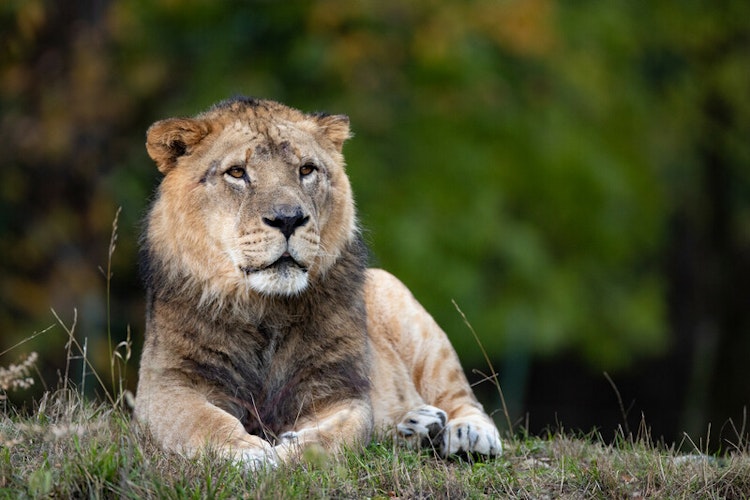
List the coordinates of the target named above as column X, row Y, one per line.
column 286, row 261
column 283, row 263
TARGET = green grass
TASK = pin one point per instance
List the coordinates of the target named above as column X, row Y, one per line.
column 71, row 448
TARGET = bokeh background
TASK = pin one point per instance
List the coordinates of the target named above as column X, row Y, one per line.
column 575, row 175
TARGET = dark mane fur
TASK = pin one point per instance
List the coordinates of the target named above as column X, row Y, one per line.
column 305, row 349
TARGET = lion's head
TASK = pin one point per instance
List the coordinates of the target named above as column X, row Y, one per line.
column 254, row 198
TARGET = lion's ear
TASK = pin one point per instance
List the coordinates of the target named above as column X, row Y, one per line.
column 335, row 128
column 167, row 140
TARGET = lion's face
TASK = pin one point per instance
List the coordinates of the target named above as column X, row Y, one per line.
column 254, row 198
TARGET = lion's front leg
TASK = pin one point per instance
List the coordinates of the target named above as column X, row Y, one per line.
column 335, row 428
column 419, row 387
column 183, row 421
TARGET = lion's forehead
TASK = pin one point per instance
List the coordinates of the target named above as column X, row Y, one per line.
column 262, row 140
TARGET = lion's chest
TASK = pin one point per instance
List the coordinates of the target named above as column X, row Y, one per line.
column 267, row 375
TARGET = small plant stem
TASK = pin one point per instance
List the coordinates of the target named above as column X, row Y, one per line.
column 112, row 246
column 622, row 406
column 31, row 337
column 82, row 351
column 489, row 364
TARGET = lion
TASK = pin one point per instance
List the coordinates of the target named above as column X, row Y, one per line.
column 266, row 333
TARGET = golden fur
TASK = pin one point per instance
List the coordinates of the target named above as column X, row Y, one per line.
column 265, row 332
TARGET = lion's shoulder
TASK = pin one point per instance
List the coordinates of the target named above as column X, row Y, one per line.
column 393, row 313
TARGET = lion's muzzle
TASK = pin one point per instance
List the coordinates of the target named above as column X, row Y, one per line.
column 286, row 254
column 287, row 218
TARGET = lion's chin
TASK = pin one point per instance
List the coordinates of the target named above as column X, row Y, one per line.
column 284, row 278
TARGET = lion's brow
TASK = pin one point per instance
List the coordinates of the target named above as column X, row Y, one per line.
column 210, row 171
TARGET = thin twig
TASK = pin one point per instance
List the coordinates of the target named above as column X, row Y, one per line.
column 489, row 363
column 112, row 246
column 83, row 352
column 619, row 402
column 33, row 336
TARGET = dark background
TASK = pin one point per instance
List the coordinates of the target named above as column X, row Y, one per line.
column 575, row 175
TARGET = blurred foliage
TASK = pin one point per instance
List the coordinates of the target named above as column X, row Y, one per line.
column 526, row 158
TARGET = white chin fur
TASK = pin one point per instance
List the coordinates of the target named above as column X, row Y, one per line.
column 289, row 281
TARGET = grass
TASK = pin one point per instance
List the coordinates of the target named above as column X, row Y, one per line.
column 71, row 447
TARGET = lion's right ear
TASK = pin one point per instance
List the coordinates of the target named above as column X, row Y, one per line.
column 167, row 140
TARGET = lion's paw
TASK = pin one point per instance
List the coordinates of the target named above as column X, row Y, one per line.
column 423, row 426
column 289, row 438
column 255, row 460
column 288, row 446
column 471, row 436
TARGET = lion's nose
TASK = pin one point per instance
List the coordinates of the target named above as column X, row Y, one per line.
column 287, row 218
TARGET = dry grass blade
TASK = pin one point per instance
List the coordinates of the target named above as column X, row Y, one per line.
column 82, row 351
column 493, row 372
column 27, row 339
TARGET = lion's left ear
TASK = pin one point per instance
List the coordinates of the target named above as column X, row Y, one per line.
column 335, row 128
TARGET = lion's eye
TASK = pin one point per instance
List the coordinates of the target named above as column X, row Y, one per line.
column 307, row 169
column 236, row 172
